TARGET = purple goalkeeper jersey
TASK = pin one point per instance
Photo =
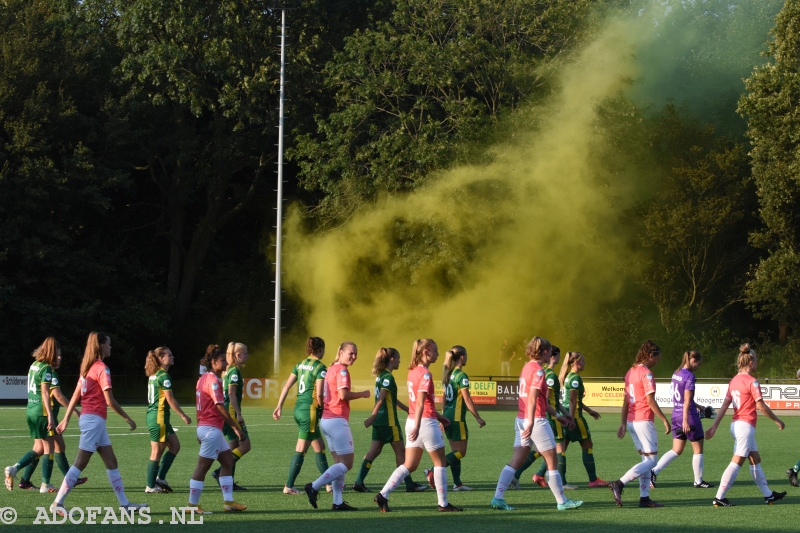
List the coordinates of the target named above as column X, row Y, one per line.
column 682, row 380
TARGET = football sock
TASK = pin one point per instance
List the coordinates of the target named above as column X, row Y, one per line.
column 506, row 475
column 119, row 488
column 588, row 463
column 47, row 468
column 26, row 460
column 644, row 482
column 542, row 469
column 363, row 471
column 562, row 467
column 409, row 482
column 70, row 479
column 639, row 469
column 294, row 467
column 760, row 479
column 226, row 485
column 62, row 463
column 797, row 467
column 440, row 476
column 338, row 489
column 166, row 464
column 30, row 469
column 697, row 466
column 532, row 456
column 195, row 490
column 152, row 473
column 666, row 459
column 454, row 460
column 399, row 473
column 554, row 480
column 728, row 478
column 335, row 471
column 322, row 462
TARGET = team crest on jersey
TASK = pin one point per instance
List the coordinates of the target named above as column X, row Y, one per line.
column 323, row 373
column 755, row 384
column 343, row 372
column 575, row 384
column 55, row 382
column 385, row 382
column 214, row 386
column 167, row 383
column 465, row 382
column 649, row 376
column 47, row 376
column 426, row 376
column 550, row 382
column 539, row 372
column 108, row 371
column 235, row 378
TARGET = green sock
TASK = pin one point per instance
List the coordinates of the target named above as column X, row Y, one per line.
column 322, row 462
column 166, row 463
column 588, row 463
column 294, row 467
column 542, row 469
column 797, row 467
column 62, row 463
column 562, row 467
column 409, row 482
column 362, row 473
column 455, row 466
column 532, row 456
column 47, row 468
column 152, row 472
column 26, row 460
column 30, row 469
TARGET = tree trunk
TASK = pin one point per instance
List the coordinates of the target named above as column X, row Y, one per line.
column 783, row 331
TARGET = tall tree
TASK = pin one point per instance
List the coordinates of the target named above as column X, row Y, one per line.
column 773, row 112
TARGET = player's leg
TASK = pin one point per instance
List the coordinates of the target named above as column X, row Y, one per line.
column 375, row 448
column 156, row 451
column 458, row 450
column 173, row 447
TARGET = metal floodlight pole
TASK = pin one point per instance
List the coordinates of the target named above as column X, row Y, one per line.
column 279, row 225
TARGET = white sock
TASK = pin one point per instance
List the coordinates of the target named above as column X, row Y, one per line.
column 440, row 476
column 639, row 469
column 226, row 484
column 338, row 490
column 644, row 477
column 69, row 482
column 335, row 471
column 728, row 478
column 666, row 459
column 195, row 491
column 397, row 476
column 116, row 483
column 697, row 466
column 506, row 475
column 554, row 480
column 761, row 480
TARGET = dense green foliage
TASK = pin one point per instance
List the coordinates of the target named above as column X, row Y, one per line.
column 137, row 144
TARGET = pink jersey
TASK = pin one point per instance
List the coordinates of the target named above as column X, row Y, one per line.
column 639, row 383
column 338, row 377
column 209, row 394
column 532, row 377
column 420, row 380
column 97, row 380
column 743, row 392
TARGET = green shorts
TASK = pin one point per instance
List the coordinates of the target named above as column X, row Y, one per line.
column 387, row 434
column 230, row 434
column 558, row 429
column 457, row 431
column 307, row 421
column 581, row 431
column 160, row 432
column 38, row 427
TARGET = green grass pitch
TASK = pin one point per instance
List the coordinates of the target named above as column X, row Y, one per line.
column 264, row 471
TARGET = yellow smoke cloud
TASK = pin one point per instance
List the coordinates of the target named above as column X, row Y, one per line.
column 522, row 246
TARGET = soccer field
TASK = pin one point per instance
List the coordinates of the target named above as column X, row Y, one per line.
column 264, row 471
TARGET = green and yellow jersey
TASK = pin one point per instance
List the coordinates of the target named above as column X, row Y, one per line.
column 157, row 405
column 54, row 384
column 454, row 407
column 39, row 372
column 387, row 414
column 554, row 393
column 308, row 372
column 233, row 376
column 574, row 382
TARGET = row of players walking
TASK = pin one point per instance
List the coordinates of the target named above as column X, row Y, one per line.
column 550, row 416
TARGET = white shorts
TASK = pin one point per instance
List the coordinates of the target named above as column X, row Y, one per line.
column 643, row 433
column 744, row 438
column 430, row 435
column 519, row 425
column 542, row 435
column 93, row 433
column 338, row 435
column 212, row 442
